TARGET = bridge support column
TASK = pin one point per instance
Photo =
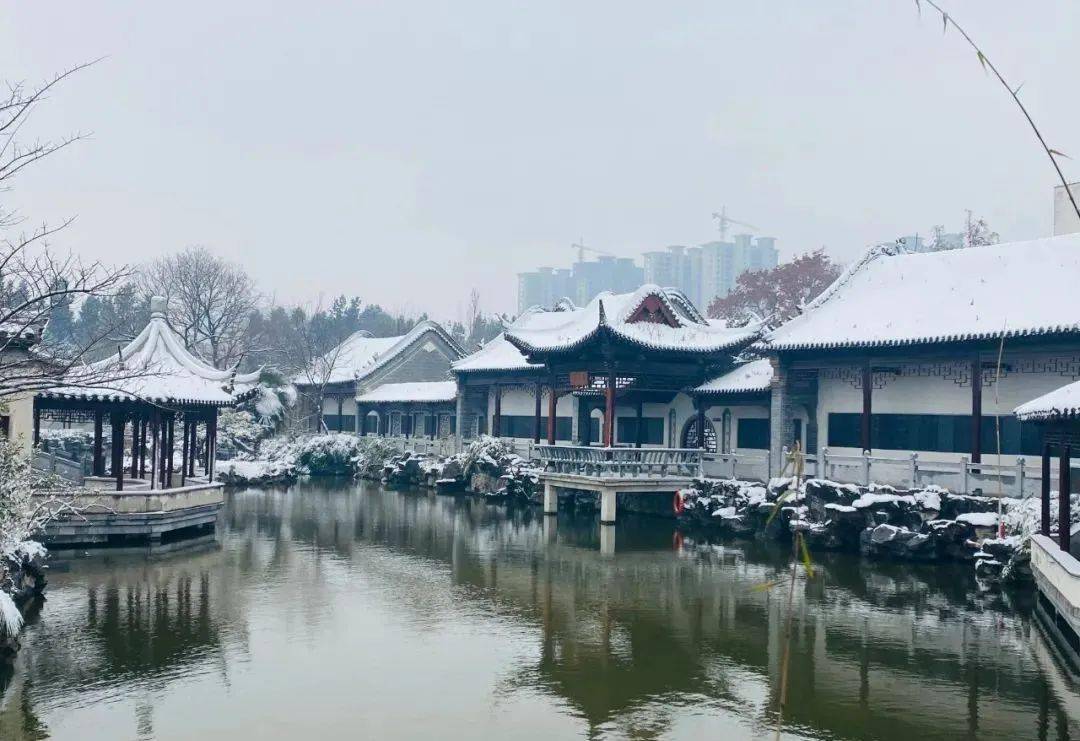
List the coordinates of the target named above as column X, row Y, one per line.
column 607, row 540
column 551, row 499
column 607, row 506
column 551, row 530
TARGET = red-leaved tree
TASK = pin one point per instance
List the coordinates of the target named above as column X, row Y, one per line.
column 776, row 294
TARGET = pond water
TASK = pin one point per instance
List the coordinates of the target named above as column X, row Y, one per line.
column 347, row 611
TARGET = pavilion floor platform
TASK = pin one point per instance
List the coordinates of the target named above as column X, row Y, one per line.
column 138, row 514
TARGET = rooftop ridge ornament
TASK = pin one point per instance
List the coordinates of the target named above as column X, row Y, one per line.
column 603, row 316
column 158, row 307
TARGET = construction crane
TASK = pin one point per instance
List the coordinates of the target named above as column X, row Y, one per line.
column 581, row 249
column 723, row 222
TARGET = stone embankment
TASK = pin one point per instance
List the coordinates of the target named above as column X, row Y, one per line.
column 929, row 524
column 23, row 588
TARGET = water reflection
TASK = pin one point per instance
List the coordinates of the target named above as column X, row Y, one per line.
column 353, row 611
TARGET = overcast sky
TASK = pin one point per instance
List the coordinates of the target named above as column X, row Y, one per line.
column 408, row 151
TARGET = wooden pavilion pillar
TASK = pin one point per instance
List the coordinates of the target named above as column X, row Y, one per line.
column 699, row 405
column 496, row 418
column 976, row 410
column 37, row 426
column 116, row 420
column 185, row 451
column 134, row 446
column 639, row 429
column 155, row 447
column 144, row 424
column 553, row 404
column 98, row 466
column 584, row 420
column 609, row 410
column 211, row 437
column 1064, row 487
column 538, row 392
column 1045, row 509
column 193, row 451
column 170, row 449
column 340, row 414
column 867, row 406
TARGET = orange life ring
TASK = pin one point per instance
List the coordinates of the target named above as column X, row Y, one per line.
column 678, row 503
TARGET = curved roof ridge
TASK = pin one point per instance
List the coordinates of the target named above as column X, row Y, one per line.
column 869, row 256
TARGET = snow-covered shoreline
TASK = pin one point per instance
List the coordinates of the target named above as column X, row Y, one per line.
column 930, row 524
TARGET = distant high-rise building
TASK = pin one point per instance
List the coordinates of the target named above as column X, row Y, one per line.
column 711, row 270
column 702, row 273
column 615, row 274
column 1065, row 219
column 545, row 286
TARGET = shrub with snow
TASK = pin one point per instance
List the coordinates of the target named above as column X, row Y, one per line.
column 284, row 459
column 29, row 500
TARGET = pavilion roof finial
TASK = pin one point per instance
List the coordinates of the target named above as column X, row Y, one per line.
column 157, row 307
column 603, row 316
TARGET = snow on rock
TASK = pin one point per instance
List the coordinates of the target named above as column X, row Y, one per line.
column 11, row 619
column 979, row 519
column 285, row 459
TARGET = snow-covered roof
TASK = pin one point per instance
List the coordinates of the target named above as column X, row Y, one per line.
column 360, row 354
column 1062, row 403
column 542, row 331
column 496, row 355
column 749, row 377
column 157, row 367
column 14, row 332
column 891, row 297
column 420, row 391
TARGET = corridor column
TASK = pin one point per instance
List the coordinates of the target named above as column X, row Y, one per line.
column 609, row 411
column 1064, row 487
column 976, row 410
column 1045, row 510
column 867, row 410
column 553, row 403
column 640, row 438
column 538, row 392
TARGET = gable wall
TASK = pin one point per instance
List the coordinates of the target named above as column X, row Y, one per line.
column 428, row 359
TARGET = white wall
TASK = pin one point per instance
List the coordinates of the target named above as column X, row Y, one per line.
column 715, row 412
column 521, row 402
column 937, row 395
column 20, row 411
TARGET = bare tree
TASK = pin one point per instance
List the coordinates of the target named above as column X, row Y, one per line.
column 34, row 278
column 315, row 353
column 210, row 302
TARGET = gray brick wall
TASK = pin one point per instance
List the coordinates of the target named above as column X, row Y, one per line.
column 415, row 364
column 780, row 426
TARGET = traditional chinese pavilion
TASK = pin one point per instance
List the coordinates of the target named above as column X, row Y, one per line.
column 158, row 399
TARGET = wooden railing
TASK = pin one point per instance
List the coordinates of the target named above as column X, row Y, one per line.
column 620, row 462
